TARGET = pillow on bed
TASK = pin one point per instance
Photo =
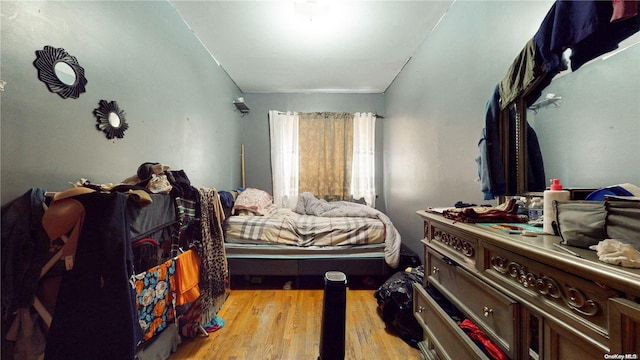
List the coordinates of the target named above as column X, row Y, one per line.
column 257, row 201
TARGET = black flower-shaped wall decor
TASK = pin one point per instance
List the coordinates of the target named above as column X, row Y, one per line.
column 111, row 119
column 60, row 72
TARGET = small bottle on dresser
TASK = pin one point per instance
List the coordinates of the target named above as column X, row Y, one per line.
column 536, row 209
column 554, row 193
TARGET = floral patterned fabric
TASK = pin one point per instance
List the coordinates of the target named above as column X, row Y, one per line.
column 155, row 298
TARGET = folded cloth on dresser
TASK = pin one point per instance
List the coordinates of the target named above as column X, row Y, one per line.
column 505, row 212
column 308, row 204
column 618, row 253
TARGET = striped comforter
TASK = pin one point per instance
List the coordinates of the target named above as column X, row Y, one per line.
column 290, row 228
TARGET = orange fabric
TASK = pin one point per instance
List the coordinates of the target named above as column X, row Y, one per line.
column 64, row 216
column 187, row 277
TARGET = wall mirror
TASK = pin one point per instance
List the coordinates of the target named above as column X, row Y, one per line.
column 60, row 72
column 589, row 137
column 110, row 119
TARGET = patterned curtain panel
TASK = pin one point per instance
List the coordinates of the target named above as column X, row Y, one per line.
column 326, row 151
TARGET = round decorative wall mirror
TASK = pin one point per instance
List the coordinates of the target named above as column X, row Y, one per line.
column 60, row 72
column 111, row 119
column 64, row 72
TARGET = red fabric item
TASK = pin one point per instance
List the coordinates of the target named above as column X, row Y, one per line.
column 624, row 9
column 478, row 335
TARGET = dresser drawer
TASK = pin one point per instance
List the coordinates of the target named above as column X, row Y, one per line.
column 459, row 245
column 577, row 302
column 495, row 313
column 443, row 336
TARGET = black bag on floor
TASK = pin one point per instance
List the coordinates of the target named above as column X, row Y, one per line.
column 395, row 305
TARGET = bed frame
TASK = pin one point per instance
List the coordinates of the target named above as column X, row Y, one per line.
column 302, row 266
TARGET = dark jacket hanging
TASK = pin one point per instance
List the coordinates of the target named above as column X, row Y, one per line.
column 95, row 315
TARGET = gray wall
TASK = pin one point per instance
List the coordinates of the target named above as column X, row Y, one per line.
column 178, row 102
column 255, row 128
column 435, row 108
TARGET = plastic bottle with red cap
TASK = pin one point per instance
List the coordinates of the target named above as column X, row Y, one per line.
column 555, row 192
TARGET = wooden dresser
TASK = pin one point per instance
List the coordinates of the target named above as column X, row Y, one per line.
column 531, row 299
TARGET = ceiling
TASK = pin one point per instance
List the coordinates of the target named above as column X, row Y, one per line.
column 312, row 46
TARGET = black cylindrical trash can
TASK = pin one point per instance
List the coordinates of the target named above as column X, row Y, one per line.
column 334, row 310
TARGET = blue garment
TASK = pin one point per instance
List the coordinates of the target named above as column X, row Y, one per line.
column 536, row 178
column 25, row 249
column 583, row 26
column 491, row 168
column 490, row 165
column 95, row 315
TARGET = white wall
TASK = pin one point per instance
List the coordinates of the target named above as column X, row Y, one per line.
column 178, row 102
column 435, row 108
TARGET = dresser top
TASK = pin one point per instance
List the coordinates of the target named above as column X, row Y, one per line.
column 544, row 249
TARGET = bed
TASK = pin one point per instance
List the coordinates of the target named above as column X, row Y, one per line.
column 262, row 240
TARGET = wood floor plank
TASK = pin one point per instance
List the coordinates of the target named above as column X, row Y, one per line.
column 285, row 324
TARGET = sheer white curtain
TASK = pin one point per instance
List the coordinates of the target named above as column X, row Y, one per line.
column 363, row 181
column 283, row 129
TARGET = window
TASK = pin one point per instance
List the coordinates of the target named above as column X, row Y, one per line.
column 331, row 155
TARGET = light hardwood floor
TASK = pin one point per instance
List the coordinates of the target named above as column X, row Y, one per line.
column 285, row 324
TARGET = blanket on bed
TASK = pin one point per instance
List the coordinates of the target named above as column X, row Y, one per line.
column 308, row 204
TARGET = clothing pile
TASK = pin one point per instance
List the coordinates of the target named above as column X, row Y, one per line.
column 505, row 212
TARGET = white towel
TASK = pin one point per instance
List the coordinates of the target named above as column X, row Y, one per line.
column 615, row 252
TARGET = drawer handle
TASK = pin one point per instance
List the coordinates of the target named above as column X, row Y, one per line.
column 421, row 308
column 435, row 270
column 487, row 311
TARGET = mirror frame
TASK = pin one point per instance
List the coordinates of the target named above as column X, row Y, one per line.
column 45, row 62
column 102, row 114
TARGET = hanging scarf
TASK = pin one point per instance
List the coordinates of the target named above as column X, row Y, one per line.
column 214, row 261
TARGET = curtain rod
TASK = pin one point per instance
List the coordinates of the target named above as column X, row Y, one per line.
column 377, row 115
